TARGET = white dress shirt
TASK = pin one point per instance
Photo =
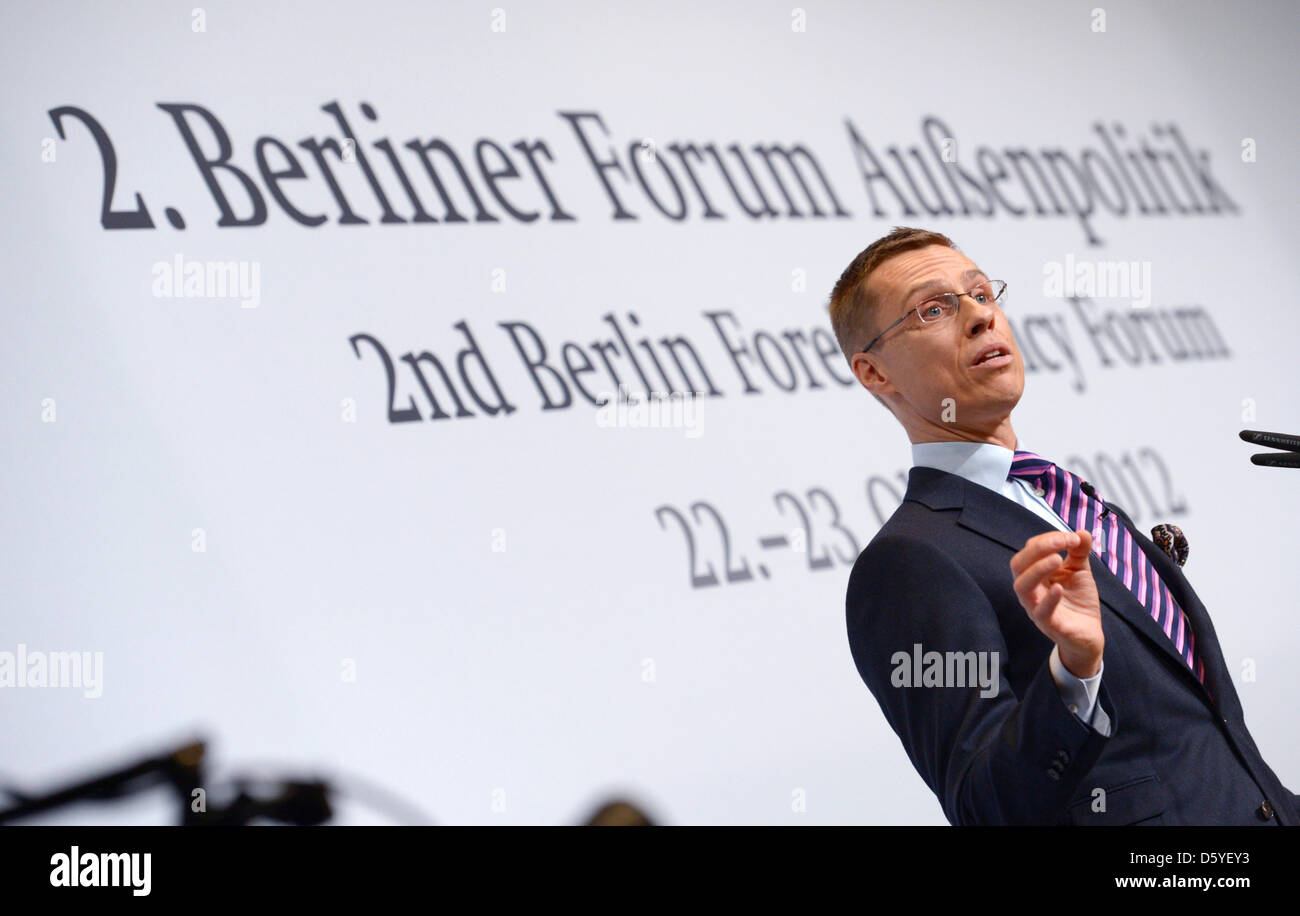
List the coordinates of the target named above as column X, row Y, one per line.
column 989, row 465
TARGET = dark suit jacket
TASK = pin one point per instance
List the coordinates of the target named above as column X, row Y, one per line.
column 938, row 573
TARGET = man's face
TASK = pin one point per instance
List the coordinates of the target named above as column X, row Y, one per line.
column 917, row 366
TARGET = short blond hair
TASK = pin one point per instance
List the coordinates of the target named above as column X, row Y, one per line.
column 852, row 308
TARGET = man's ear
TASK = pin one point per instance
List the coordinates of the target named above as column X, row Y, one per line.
column 868, row 374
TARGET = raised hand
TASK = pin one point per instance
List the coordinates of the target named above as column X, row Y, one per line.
column 1060, row 596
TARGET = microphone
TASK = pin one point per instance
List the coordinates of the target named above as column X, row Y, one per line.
column 1289, row 458
column 1168, row 537
column 1092, row 494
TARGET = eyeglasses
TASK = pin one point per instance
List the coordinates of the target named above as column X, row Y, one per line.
column 945, row 305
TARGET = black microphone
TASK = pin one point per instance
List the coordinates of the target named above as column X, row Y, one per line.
column 1168, row 537
column 1288, row 458
column 1276, row 459
column 1092, row 494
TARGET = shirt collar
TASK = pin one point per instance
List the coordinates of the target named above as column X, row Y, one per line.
column 984, row 463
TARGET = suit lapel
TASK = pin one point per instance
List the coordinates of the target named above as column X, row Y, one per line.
column 1002, row 520
column 1207, row 643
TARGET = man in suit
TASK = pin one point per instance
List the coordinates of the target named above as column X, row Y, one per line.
column 1041, row 660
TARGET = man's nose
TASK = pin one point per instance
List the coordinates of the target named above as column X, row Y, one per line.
column 980, row 317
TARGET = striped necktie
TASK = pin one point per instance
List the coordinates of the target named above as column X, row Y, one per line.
column 1114, row 546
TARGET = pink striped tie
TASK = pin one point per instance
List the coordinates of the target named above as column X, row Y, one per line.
column 1114, row 546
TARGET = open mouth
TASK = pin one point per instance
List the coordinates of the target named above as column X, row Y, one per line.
column 998, row 356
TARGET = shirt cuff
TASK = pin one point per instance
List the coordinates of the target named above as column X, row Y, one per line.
column 1080, row 694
